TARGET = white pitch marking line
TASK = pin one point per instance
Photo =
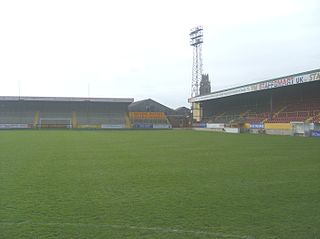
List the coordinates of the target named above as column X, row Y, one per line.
column 159, row 229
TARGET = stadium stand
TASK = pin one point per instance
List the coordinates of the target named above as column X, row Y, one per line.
column 303, row 111
column 149, row 120
column 99, row 114
column 16, row 118
column 293, row 98
column 151, row 114
column 105, row 113
column 63, row 112
column 15, row 114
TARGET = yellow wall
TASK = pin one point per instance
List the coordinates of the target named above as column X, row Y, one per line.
column 85, row 126
column 246, row 126
column 277, row 126
column 147, row 115
column 196, row 112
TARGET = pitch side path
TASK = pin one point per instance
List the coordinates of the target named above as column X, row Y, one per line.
column 158, row 184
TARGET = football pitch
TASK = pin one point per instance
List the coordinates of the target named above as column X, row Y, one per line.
column 158, row 184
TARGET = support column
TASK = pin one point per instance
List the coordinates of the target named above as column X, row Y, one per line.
column 196, row 112
column 271, row 103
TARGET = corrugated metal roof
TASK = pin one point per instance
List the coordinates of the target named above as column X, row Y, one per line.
column 66, row 99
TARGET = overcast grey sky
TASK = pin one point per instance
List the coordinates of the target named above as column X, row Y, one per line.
column 141, row 49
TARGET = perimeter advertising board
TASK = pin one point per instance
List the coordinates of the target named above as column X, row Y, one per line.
column 113, row 126
column 14, row 126
column 315, row 133
column 257, row 126
column 215, row 126
column 161, row 126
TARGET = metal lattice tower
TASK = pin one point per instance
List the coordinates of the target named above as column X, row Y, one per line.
column 196, row 40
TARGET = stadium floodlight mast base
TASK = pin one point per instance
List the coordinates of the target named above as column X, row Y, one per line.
column 196, row 40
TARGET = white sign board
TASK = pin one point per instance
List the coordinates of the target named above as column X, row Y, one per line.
column 232, row 130
column 215, row 126
column 264, row 85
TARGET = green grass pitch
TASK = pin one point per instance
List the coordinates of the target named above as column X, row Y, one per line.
column 158, row 184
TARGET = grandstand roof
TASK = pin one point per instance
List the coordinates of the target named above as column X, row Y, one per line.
column 66, row 99
column 183, row 111
column 284, row 81
column 149, row 105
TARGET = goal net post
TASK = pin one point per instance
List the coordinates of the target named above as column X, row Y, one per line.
column 55, row 123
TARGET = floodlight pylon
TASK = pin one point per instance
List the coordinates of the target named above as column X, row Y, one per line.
column 196, row 40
